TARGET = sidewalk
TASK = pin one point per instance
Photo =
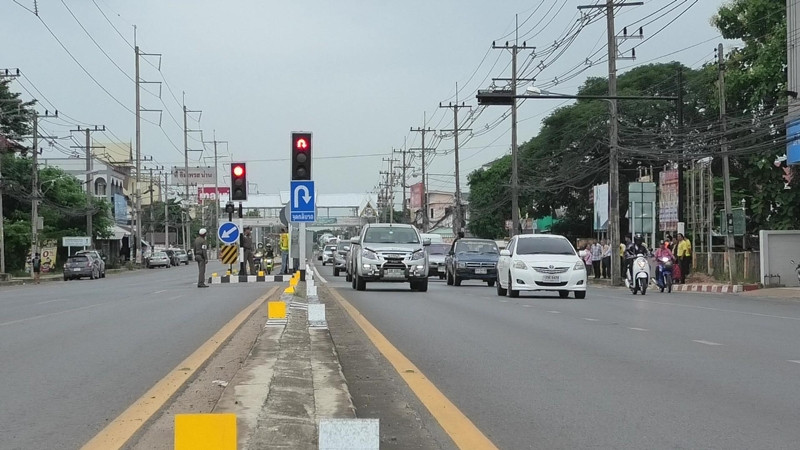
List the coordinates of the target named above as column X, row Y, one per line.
column 21, row 281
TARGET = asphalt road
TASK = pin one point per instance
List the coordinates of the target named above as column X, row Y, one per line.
column 612, row 371
column 74, row 355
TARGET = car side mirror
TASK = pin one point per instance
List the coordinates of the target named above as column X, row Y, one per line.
column 355, row 241
column 426, row 242
column 505, row 252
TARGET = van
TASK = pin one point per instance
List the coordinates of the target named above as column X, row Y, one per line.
column 435, row 238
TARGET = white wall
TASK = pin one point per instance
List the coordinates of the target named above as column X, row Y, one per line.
column 777, row 248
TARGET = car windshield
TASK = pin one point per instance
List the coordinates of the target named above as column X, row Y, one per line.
column 342, row 246
column 476, row 247
column 438, row 249
column 160, row 255
column 77, row 259
column 544, row 246
column 391, row 235
column 330, row 247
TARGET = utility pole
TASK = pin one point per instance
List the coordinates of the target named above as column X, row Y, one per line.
column 35, row 194
column 613, row 161
column 403, row 183
column 88, row 180
column 166, row 210
column 389, row 188
column 458, row 220
column 186, row 151
column 216, row 185
column 422, row 150
column 730, row 243
column 5, row 73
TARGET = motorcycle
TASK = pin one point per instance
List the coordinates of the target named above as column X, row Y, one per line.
column 665, row 271
column 257, row 260
column 269, row 265
column 641, row 275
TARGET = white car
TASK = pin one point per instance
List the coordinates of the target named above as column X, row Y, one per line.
column 541, row 262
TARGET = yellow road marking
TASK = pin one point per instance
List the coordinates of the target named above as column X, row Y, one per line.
column 118, row 432
column 461, row 430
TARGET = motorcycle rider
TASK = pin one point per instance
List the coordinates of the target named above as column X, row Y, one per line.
column 661, row 253
column 635, row 248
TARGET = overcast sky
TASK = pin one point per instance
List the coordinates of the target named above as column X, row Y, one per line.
column 358, row 74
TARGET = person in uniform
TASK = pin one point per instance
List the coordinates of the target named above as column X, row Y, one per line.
column 247, row 248
column 284, row 243
column 201, row 255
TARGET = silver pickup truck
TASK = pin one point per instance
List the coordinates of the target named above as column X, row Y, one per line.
column 391, row 253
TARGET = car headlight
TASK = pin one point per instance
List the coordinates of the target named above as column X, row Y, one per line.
column 520, row 265
column 579, row 266
column 369, row 254
column 462, row 265
column 417, row 255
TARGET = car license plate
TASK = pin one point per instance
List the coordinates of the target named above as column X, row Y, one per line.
column 551, row 278
column 441, row 269
column 395, row 273
column 76, row 269
column 480, row 271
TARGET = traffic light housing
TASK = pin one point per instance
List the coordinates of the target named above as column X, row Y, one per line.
column 238, row 182
column 301, row 156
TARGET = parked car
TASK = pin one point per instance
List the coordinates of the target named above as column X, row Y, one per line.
column 389, row 253
column 340, row 257
column 98, row 257
column 78, row 266
column 541, row 262
column 327, row 253
column 159, row 259
column 472, row 259
column 436, row 256
column 181, row 256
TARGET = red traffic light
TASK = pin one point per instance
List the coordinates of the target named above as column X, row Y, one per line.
column 238, row 170
column 301, row 144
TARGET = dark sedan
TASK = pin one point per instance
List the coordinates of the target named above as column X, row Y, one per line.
column 78, row 266
column 472, row 259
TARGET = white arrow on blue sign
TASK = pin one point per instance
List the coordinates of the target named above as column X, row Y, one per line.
column 228, row 233
column 302, row 207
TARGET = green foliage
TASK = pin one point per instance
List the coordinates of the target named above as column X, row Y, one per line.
column 490, row 200
column 14, row 113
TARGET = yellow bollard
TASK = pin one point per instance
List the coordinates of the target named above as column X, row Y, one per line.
column 205, row 432
column 276, row 310
column 289, row 290
column 261, row 273
column 214, row 275
column 228, row 273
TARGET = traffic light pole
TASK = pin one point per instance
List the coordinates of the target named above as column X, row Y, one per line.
column 302, row 243
column 241, row 241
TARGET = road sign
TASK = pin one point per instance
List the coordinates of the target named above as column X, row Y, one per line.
column 301, row 201
column 76, row 241
column 229, row 254
column 228, row 233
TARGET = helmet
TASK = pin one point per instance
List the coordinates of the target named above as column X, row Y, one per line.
column 638, row 239
column 203, row 231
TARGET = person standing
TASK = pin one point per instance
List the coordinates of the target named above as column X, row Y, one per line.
column 284, row 251
column 684, row 256
column 36, row 264
column 606, row 263
column 200, row 254
column 597, row 258
column 623, row 262
column 247, row 247
column 587, row 259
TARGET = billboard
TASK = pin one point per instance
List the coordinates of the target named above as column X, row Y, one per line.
column 668, row 188
column 210, row 192
column 120, row 209
column 417, row 195
column 197, row 175
column 600, row 199
column 793, row 142
column 641, row 207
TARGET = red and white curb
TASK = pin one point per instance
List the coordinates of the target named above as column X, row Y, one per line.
column 709, row 288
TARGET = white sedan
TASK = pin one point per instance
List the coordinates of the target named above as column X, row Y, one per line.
column 541, row 262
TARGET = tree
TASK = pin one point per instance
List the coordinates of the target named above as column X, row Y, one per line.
column 490, row 199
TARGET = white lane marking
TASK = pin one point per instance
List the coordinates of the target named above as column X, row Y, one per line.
column 794, row 361
column 554, row 312
column 51, row 301
column 318, row 275
column 700, row 341
column 638, row 329
column 503, row 301
column 158, row 292
column 42, row 316
column 527, row 306
column 590, row 319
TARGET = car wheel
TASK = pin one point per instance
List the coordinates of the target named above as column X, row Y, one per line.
column 580, row 294
column 500, row 291
column 66, row 279
column 420, row 285
column 563, row 294
column 449, row 279
column 348, row 278
column 490, row 283
column 353, row 281
column 456, row 280
column 336, row 272
column 361, row 284
column 511, row 292
column 441, row 277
